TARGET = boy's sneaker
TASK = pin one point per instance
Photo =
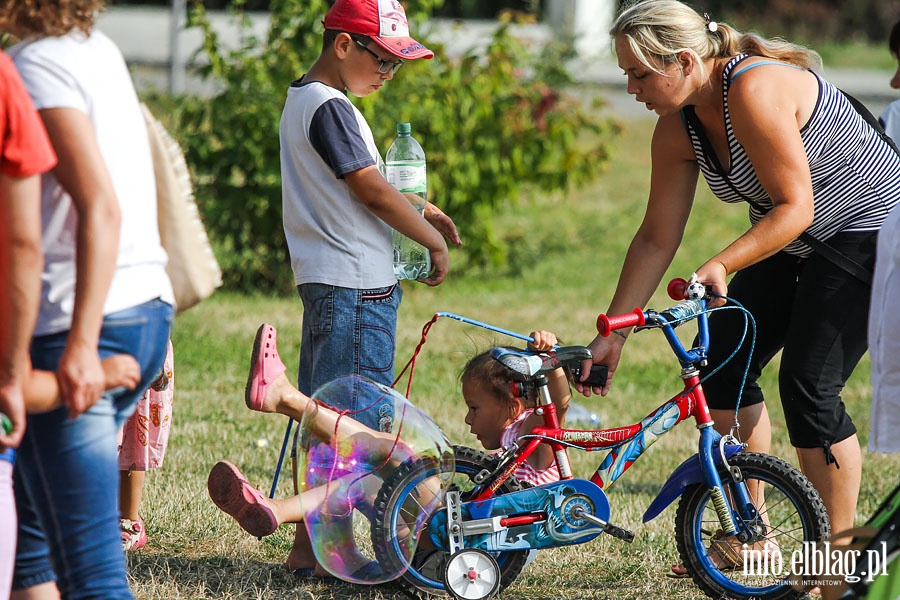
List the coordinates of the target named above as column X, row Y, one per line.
column 134, row 535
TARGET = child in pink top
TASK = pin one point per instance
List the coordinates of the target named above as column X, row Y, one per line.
column 500, row 411
column 142, row 446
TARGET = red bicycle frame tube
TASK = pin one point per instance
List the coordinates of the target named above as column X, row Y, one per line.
column 626, row 443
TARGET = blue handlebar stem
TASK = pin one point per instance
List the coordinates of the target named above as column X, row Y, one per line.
column 685, row 357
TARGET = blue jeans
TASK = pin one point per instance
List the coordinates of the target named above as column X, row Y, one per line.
column 67, row 473
column 349, row 332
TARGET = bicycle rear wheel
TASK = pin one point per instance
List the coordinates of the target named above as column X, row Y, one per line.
column 790, row 513
column 392, row 529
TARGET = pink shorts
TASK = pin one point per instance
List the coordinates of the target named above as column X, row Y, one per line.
column 143, row 439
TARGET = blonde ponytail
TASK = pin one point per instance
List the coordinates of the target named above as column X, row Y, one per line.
column 656, row 31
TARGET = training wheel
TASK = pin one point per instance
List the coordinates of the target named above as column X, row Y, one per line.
column 472, row 574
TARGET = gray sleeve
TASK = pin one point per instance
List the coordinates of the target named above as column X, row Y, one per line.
column 334, row 133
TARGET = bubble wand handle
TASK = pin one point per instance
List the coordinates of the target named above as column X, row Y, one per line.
column 485, row 326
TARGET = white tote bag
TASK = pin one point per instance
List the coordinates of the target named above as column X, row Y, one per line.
column 192, row 267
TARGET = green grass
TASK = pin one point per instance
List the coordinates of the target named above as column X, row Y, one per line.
column 573, row 247
column 855, row 56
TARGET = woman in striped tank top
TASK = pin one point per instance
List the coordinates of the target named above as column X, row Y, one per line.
column 781, row 136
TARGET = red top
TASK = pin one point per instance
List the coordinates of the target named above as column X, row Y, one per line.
column 25, row 149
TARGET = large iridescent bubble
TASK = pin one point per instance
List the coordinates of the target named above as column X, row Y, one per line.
column 349, row 444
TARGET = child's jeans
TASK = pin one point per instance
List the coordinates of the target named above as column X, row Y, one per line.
column 348, row 332
column 67, row 473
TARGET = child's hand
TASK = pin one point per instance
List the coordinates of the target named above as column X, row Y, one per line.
column 543, row 340
column 121, row 370
column 442, row 223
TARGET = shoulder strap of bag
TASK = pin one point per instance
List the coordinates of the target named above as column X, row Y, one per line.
column 689, row 117
column 872, row 121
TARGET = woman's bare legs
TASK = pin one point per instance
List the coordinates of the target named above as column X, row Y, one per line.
column 755, row 430
column 839, row 489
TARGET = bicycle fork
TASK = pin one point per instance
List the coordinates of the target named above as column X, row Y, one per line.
column 734, row 509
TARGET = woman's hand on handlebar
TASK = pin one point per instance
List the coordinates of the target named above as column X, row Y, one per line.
column 712, row 274
column 606, row 351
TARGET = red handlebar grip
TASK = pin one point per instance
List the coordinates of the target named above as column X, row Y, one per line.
column 677, row 289
column 633, row 319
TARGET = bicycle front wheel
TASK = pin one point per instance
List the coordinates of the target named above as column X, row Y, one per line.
column 791, row 513
column 393, row 525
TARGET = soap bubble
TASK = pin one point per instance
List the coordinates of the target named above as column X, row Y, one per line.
column 345, row 456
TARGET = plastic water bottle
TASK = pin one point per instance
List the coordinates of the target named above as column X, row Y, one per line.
column 579, row 416
column 404, row 168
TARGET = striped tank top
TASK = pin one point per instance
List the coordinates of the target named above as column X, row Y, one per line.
column 855, row 175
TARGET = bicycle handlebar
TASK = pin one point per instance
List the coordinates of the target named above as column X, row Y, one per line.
column 677, row 289
column 693, row 295
column 605, row 324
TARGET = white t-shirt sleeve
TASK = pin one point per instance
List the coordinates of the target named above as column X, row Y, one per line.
column 50, row 85
column 890, row 118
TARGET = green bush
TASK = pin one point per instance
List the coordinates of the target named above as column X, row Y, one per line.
column 493, row 124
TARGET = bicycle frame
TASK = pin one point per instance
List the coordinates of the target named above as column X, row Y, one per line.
column 627, row 443
column 487, row 521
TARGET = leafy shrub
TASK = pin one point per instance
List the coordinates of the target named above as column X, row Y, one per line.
column 493, row 124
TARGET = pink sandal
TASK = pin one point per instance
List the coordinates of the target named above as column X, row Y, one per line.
column 265, row 366
column 232, row 493
column 134, row 534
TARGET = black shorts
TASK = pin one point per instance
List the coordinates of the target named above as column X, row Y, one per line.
column 816, row 314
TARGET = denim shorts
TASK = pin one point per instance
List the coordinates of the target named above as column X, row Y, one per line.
column 349, row 332
column 67, row 473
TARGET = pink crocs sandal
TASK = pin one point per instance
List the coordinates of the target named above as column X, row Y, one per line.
column 265, row 366
column 232, row 493
column 134, row 534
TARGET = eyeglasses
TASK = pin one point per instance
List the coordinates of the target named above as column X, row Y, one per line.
column 384, row 66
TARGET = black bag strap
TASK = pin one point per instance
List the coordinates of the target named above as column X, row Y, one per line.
column 872, row 121
column 689, row 117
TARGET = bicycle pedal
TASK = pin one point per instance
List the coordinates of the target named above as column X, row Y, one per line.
column 618, row 532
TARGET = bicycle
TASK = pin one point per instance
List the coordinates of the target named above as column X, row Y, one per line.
column 740, row 514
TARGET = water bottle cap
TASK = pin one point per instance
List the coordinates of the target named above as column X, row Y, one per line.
column 404, row 128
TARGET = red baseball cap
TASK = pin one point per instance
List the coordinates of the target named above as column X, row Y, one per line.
column 382, row 20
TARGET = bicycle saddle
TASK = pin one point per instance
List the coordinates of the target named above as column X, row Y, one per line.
column 530, row 363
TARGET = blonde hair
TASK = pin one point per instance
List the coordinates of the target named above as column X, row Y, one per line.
column 48, row 18
column 656, row 31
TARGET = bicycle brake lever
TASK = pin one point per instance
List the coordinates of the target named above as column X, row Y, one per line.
column 650, row 323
